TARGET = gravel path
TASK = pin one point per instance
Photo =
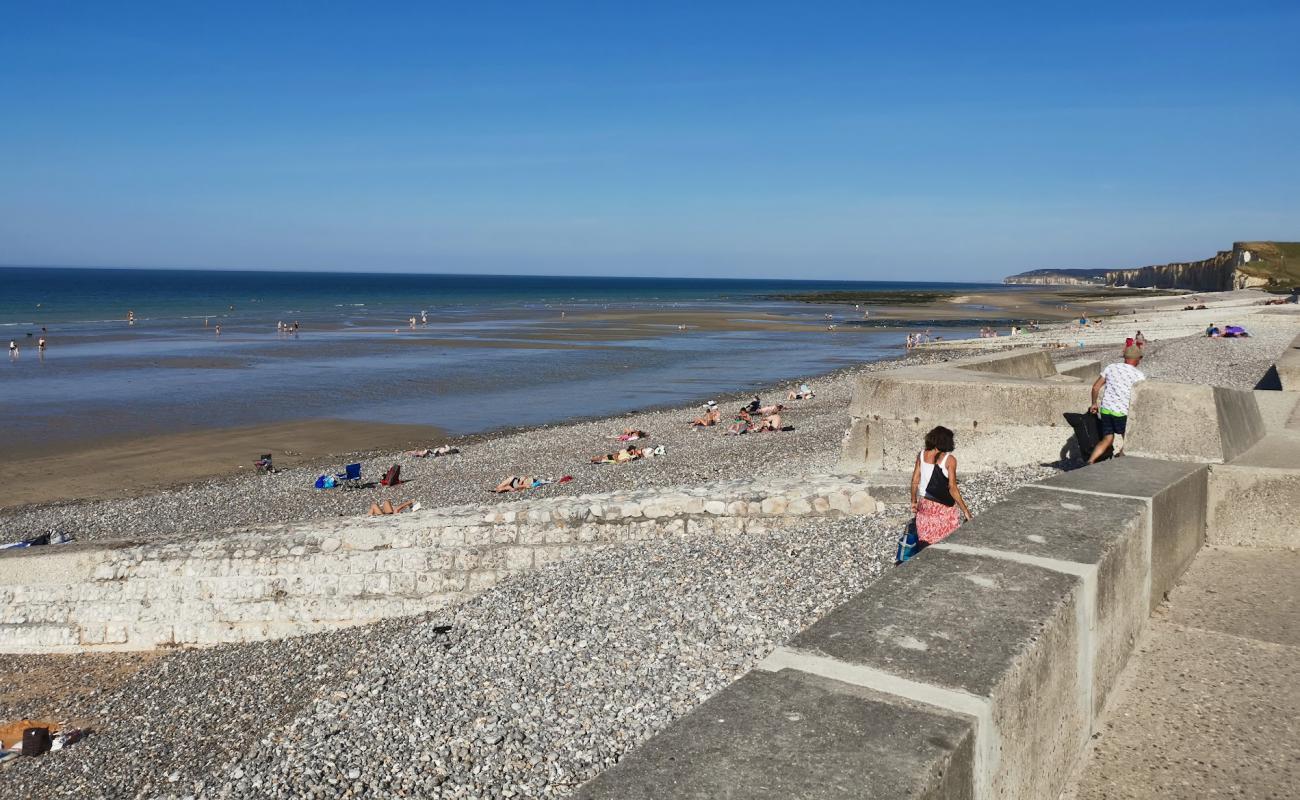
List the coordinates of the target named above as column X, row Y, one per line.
column 525, row 691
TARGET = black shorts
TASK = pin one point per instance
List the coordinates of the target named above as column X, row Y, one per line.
column 1109, row 424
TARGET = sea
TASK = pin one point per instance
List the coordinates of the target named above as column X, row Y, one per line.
column 136, row 351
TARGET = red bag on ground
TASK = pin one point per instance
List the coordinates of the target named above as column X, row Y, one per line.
column 393, row 476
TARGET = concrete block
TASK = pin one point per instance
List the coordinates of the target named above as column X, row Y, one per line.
column 1015, row 363
column 1288, row 367
column 1003, row 631
column 1255, row 500
column 788, row 734
column 1104, row 540
column 1177, row 493
column 1212, row 424
column 1277, row 409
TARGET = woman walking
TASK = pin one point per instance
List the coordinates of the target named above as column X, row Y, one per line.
column 935, row 496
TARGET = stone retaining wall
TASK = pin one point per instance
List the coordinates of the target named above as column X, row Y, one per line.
column 288, row 580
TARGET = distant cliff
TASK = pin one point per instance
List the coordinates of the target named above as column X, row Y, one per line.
column 1274, row 265
column 1059, row 277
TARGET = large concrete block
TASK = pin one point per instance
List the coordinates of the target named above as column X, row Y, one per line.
column 1277, row 409
column 1255, row 500
column 1288, row 367
column 1185, row 422
column 788, row 734
column 1013, row 363
column 1002, row 631
column 1176, row 492
column 1104, row 540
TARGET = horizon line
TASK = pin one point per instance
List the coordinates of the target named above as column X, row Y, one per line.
column 335, row 271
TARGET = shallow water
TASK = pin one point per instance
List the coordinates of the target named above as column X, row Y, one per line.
column 494, row 354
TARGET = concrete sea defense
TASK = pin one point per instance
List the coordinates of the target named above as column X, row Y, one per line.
column 1018, row 625
column 1005, row 409
column 298, row 579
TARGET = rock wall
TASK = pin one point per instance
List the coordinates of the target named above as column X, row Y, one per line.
column 290, row 580
column 1217, row 274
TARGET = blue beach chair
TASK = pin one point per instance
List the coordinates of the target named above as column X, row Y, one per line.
column 351, row 476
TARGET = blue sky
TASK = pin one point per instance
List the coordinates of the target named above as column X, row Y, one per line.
column 820, row 140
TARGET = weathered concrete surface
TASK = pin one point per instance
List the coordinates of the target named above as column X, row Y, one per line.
column 789, row 734
column 296, row 579
column 1014, row 363
column 986, row 627
column 1255, row 500
column 1209, row 706
column 1005, row 408
column 1107, row 537
column 1288, row 367
column 1177, row 494
column 1211, row 424
column 1277, row 409
column 1253, row 593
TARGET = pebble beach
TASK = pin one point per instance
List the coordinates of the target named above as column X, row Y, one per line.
column 539, row 683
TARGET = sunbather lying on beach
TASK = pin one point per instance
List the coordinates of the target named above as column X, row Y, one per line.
column 802, row 393
column 632, row 434
column 621, row 457
column 379, row 510
column 442, row 450
column 514, row 483
column 771, row 422
column 711, row 417
column 768, row 411
column 742, row 423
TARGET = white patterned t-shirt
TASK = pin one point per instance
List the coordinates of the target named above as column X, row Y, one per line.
column 1120, row 380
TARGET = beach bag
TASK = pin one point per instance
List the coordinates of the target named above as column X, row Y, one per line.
column 325, row 482
column 908, row 544
column 36, row 741
column 937, row 488
column 1087, row 432
column 393, row 476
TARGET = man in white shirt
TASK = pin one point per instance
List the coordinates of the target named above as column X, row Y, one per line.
column 1111, row 394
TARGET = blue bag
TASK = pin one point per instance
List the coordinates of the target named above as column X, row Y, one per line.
column 908, row 544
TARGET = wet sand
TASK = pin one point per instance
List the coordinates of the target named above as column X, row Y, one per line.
column 136, row 466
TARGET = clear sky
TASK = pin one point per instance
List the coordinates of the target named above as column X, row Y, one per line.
column 889, row 140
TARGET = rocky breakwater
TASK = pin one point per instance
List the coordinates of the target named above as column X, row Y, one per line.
column 294, row 579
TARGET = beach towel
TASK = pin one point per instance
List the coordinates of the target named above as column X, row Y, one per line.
column 325, row 482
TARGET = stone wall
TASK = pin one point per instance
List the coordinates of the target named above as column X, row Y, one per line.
column 295, row 579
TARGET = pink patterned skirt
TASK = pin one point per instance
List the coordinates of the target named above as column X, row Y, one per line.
column 934, row 521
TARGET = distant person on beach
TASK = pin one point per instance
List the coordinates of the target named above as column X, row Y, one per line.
column 13, row 348
column 218, row 329
column 1111, row 394
column 771, row 422
column 935, row 495
column 1140, row 340
column 40, row 344
column 802, row 393
column 378, row 510
column 1212, row 331
column 742, row 423
column 710, row 418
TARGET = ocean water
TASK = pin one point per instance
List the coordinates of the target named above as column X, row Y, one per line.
column 496, row 352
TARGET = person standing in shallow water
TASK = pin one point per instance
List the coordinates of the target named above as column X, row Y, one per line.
column 935, row 519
